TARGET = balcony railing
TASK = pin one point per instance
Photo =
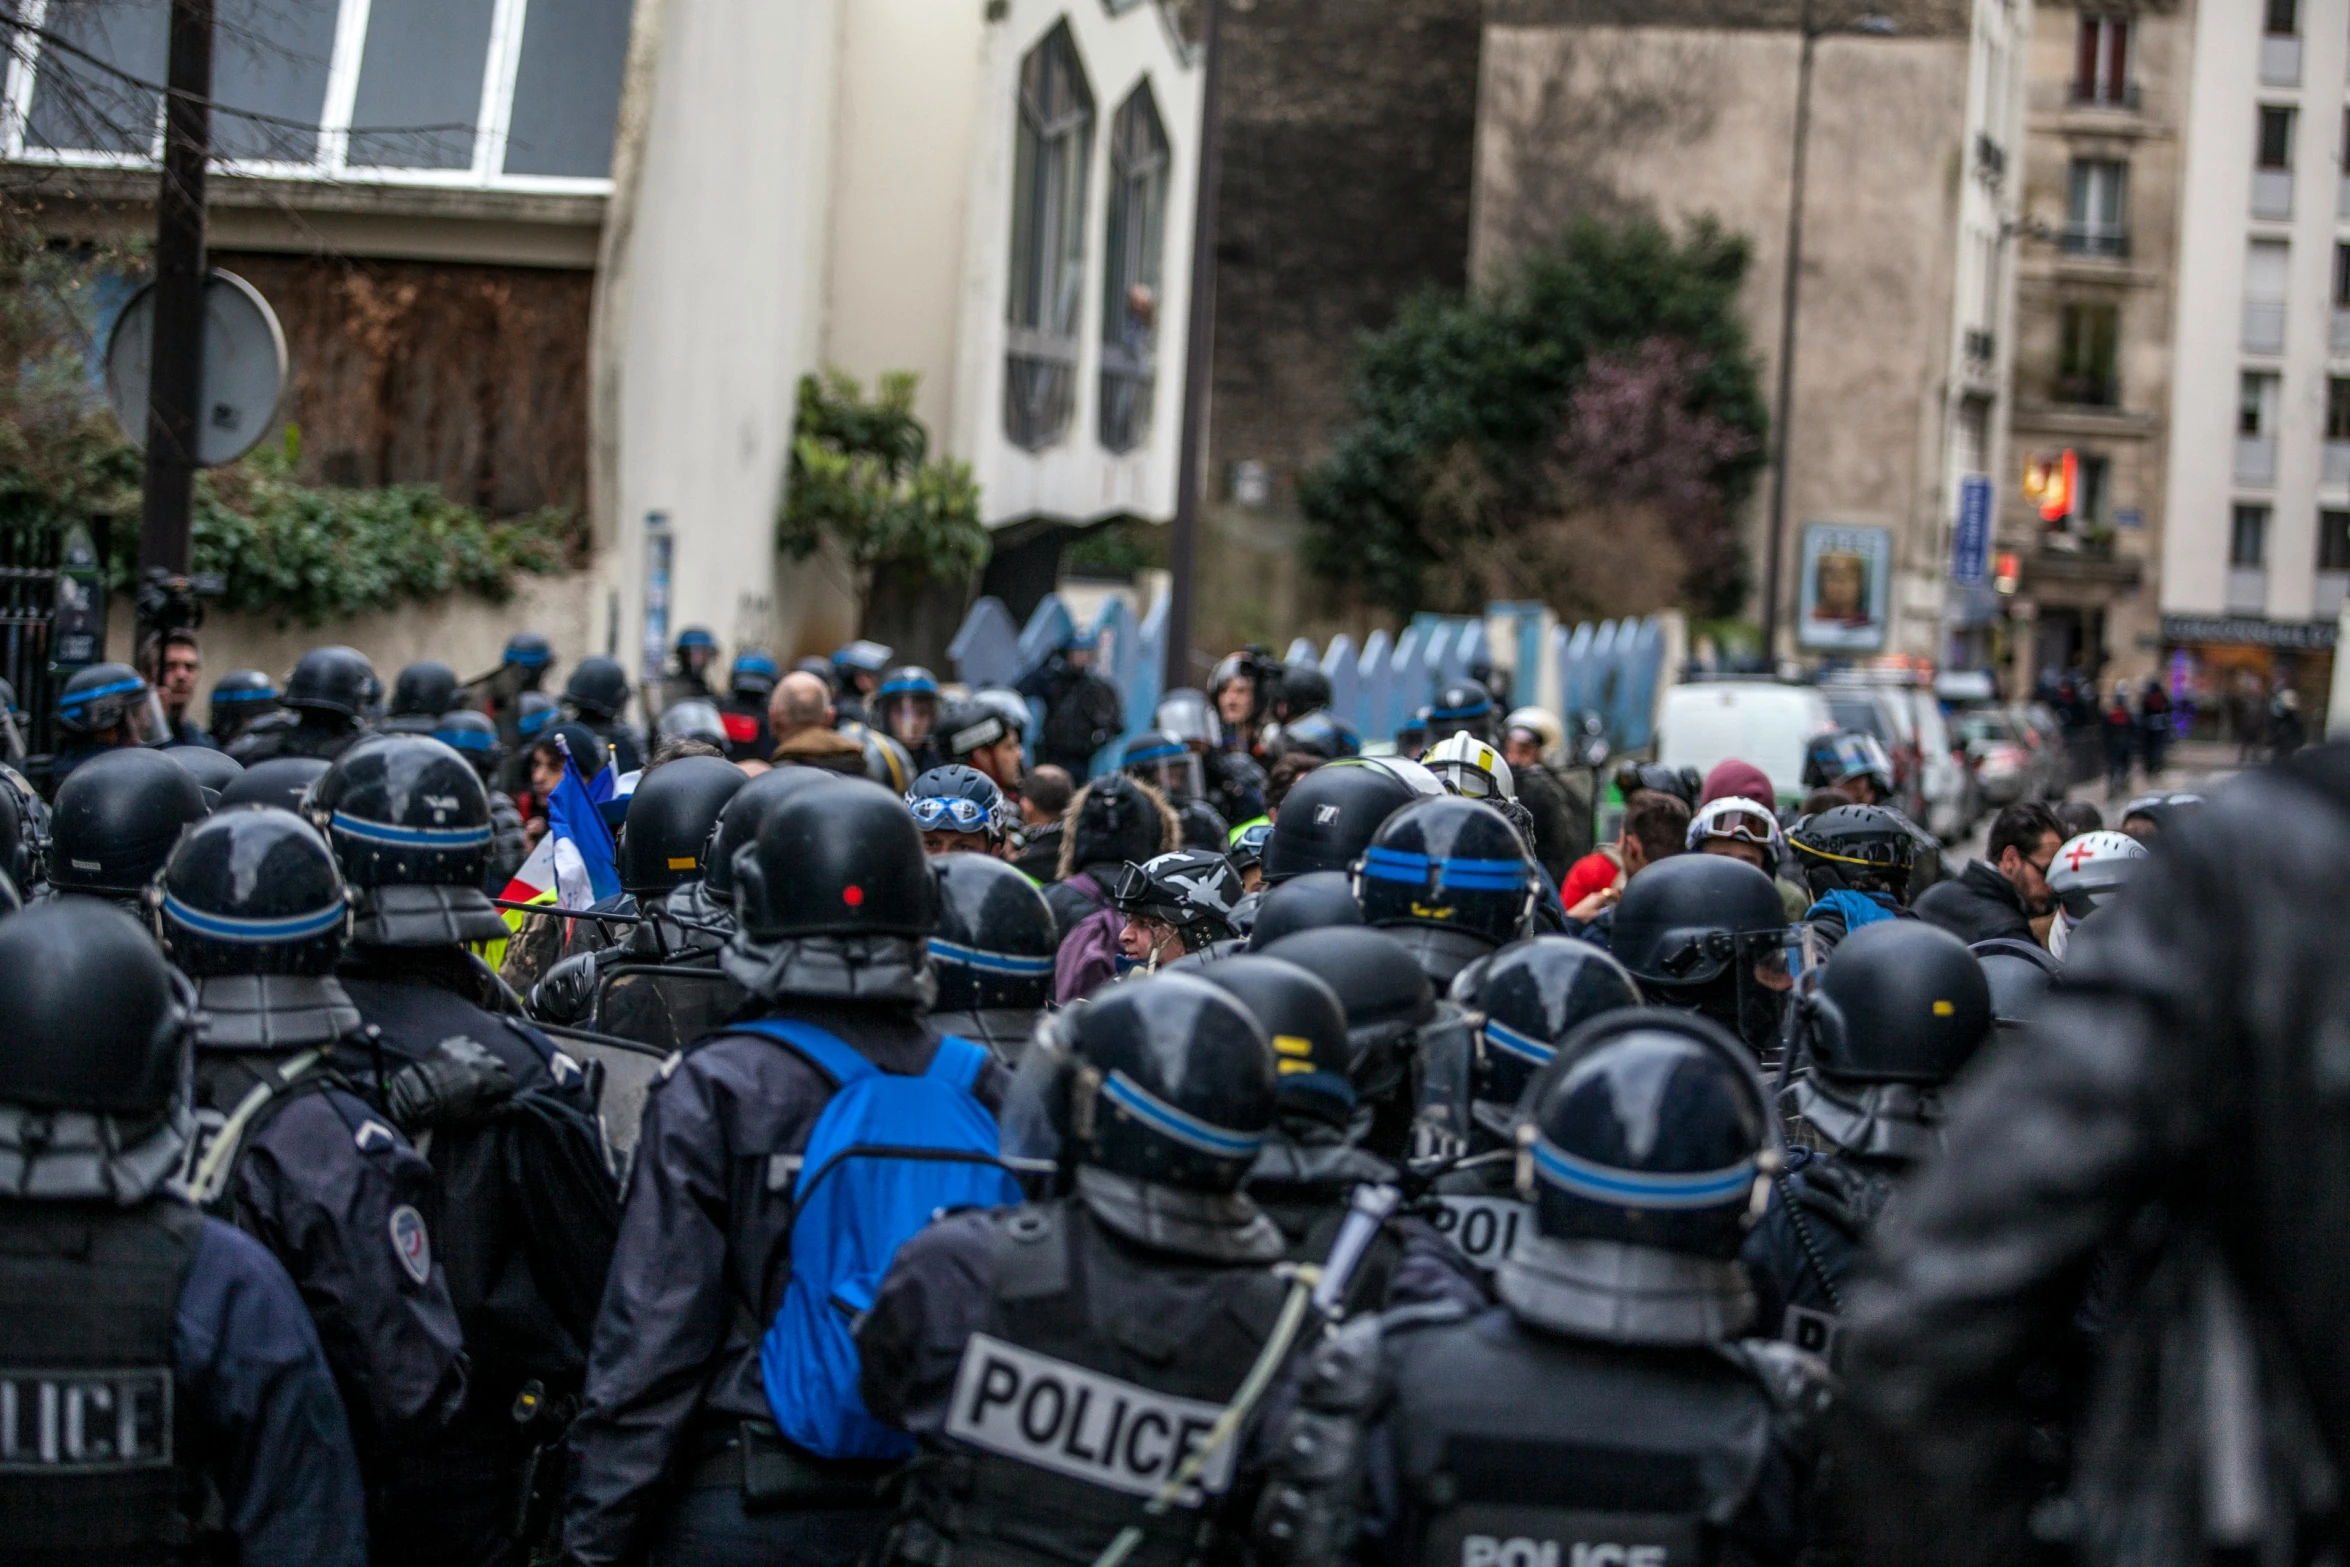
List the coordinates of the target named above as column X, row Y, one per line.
column 2081, row 239
column 2280, row 60
column 2272, row 193
column 2256, row 459
column 2264, row 326
column 2089, row 95
column 2247, row 590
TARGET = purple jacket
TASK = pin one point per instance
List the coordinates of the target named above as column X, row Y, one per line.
column 1089, row 953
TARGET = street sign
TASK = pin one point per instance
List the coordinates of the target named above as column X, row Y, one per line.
column 1970, row 545
column 244, row 368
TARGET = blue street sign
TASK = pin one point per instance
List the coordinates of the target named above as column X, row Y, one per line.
column 1970, row 545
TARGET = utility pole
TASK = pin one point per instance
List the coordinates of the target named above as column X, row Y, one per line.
column 1183, row 547
column 1783, row 413
column 176, row 380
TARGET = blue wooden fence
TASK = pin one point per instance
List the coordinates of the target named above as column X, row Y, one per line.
column 1612, row 668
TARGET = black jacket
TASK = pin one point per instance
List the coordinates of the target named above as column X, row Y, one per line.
column 2176, row 1108
column 1977, row 906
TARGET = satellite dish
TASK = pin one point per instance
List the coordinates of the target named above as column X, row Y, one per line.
column 244, row 368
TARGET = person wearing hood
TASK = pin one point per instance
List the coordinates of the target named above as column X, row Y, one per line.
column 1111, row 823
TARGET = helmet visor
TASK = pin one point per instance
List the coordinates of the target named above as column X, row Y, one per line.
column 144, row 714
column 1176, row 777
column 1034, row 1122
column 1448, row 1084
column 908, row 717
column 949, row 813
column 1460, row 778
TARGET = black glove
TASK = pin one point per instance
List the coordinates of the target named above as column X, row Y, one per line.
column 567, row 991
column 459, row 1085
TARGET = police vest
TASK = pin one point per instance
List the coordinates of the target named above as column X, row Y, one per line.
column 1478, row 1209
column 1520, row 1449
column 1304, row 1188
column 94, row 1465
column 1098, row 1371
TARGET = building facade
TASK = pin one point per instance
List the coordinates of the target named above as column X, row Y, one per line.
column 581, row 254
column 1689, row 109
column 2256, row 556
column 2082, row 523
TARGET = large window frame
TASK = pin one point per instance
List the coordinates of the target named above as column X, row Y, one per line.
column 1133, row 261
column 2088, row 353
column 2101, row 62
column 492, row 138
column 1045, row 292
column 2097, row 208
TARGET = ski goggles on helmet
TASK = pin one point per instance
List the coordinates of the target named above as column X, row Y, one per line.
column 1740, row 821
column 936, row 813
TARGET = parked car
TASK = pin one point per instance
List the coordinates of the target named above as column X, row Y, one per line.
column 1933, row 783
column 2013, row 761
column 1759, row 721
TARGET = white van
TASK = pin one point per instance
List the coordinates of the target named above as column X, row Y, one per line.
column 1758, row 721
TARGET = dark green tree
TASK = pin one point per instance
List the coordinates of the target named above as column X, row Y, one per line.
column 1585, row 432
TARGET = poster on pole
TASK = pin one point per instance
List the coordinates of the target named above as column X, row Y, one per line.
column 1846, row 582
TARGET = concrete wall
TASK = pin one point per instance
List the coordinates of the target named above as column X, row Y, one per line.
column 1075, row 479
column 726, row 268
column 1682, row 121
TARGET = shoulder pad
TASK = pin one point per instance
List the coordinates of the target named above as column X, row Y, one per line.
column 1799, row 1384
column 370, row 1132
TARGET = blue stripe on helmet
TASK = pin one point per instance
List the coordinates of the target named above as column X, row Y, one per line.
column 1463, row 875
column 532, row 723
column 235, row 695
column 1641, row 1188
column 78, row 698
column 465, row 739
column 230, row 927
column 1169, row 1122
column 908, row 688
column 990, row 962
column 754, row 664
column 1479, row 710
column 1525, row 1047
column 410, row 837
column 1156, row 753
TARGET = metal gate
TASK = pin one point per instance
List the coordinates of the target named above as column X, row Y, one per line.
column 28, row 610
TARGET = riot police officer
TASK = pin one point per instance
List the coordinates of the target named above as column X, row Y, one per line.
column 252, row 908
column 473, row 736
column 421, row 693
column 213, row 769
column 1607, row 1409
column 24, row 834
column 1518, row 1006
column 992, row 953
column 117, row 1297
column 1389, row 1004
column 409, row 823
column 116, row 820
column 327, row 700
column 677, row 1443
column 1330, row 816
column 1451, row 879
column 1143, row 1289
column 907, row 705
column 2021, row 975
column 1706, row 932
column 749, row 685
column 985, row 736
column 1900, row 1010
column 239, row 698
column 1463, row 706
column 104, row 707
column 1857, row 860
column 1314, row 901
column 594, row 697
column 281, row 782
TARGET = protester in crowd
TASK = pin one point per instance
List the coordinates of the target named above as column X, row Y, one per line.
column 1044, row 800
column 800, row 717
column 2003, row 892
column 1282, row 777
column 175, row 665
column 1655, row 826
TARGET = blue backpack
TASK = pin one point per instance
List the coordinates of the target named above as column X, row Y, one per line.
column 887, row 1155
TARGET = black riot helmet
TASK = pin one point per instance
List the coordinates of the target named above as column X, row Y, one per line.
column 1165, row 762
column 1329, row 817
column 213, row 770
column 597, row 689
column 1387, row 1000
column 404, row 811
column 2021, row 975
column 282, row 781
column 16, row 840
column 95, row 699
column 1450, row 878
column 842, row 860
column 240, row 696
column 1192, row 890
column 971, row 725
column 1314, row 901
column 670, row 817
column 423, row 690
column 739, row 820
column 333, row 680
column 530, row 653
column 1900, row 1008
column 252, row 890
column 1860, row 848
column 995, row 939
column 1707, row 932
column 1527, row 998
column 473, row 736
column 1202, row 826
column 117, row 816
column 97, row 1021
column 753, row 675
column 1312, row 1058
column 1303, row 689
column 1463, row 705
column 1649, row 1135
column 11, row 901
column 1169, row 1082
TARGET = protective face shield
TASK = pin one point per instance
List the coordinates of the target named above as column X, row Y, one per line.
column 1185, row 714
column 1177, row 775
column 1034, row 1125
column 1445, row 1127
column 1467, row 766
column 908, row 717
column 694, row 719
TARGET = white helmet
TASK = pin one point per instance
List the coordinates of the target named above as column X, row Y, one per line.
column 1539, row 722
column 2089, row 869
column 1466, row 765
column 1740, row 821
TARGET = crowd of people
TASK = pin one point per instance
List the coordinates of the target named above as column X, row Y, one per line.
column 891, row 1136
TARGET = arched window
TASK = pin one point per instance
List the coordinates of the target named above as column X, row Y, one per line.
column 1130, row 276
column 1054, row 144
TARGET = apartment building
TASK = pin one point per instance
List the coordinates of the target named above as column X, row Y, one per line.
column 1683, row 108
column 2256, row 551
column 2096, row 305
